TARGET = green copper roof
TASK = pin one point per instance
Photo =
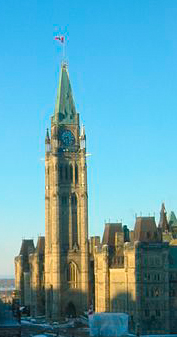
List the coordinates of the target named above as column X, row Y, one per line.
column 64, row 107
column 172, row 219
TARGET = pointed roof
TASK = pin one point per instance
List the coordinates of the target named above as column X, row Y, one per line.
column 163, row 223
column 65, row 110
column 172, row 219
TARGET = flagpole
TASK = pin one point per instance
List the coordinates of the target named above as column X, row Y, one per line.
column 62, row 40
column 64, row 51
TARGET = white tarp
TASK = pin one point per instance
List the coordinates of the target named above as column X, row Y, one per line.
column 108, row 324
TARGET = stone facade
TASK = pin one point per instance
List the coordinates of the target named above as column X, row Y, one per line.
column 66, row 218
column 138, row 278
column 22, row 272
column 29, row 276
column 37, row 279
column 129, row 271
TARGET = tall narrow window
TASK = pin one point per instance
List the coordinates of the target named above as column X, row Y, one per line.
column 72, row 275
column 66, row 172
column 76, row 173
column 74, row 219
column 71, row 172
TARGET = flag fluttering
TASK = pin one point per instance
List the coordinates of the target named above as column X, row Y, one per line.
column 60, row 38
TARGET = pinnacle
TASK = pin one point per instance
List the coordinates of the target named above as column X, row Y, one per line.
column 47, row 137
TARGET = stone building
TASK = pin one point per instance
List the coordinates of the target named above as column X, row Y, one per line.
column 138, row 277
column 129, row 271
column 37, row 279
column 22, row 272
column 66, row 218
column 29, row 276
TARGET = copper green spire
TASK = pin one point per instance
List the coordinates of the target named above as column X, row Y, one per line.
column 64, row 107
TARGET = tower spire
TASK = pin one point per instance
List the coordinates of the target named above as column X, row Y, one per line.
column 65, row 110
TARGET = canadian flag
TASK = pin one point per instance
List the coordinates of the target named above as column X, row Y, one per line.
column 60, row 38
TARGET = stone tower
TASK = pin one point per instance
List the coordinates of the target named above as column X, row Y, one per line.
column 66, row 208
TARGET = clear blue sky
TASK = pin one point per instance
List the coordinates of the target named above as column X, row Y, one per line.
column 123, row 69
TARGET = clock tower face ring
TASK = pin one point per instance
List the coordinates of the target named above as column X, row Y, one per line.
column 67, row 138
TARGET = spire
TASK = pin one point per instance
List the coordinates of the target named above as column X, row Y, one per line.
column 64, row 107
column 163, row 223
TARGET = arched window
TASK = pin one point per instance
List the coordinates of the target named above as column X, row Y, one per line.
column 71, row 172
column 72, row 275
column 76, row 174
column 61, row 172
column 66, row 172
column 74, row 219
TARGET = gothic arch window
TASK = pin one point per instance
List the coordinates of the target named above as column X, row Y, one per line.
column 61, row 172
column 66, row 172
column 76, row 174
column 74, row 219
column 71, row 172
column 72, row 275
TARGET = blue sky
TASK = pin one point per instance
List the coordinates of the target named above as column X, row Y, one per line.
column 123, row 69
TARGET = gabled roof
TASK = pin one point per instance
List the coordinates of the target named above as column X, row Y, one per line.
column 65, row 111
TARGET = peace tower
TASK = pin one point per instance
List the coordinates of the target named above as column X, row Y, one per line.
column 66, row 208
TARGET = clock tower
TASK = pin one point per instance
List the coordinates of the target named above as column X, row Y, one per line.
column 66, row 208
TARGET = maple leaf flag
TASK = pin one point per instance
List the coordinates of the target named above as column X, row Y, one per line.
column 60, row 38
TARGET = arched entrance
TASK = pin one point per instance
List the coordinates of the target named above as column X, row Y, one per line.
column 70, row 310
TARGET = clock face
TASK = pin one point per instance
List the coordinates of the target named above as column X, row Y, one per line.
column 67, row 138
